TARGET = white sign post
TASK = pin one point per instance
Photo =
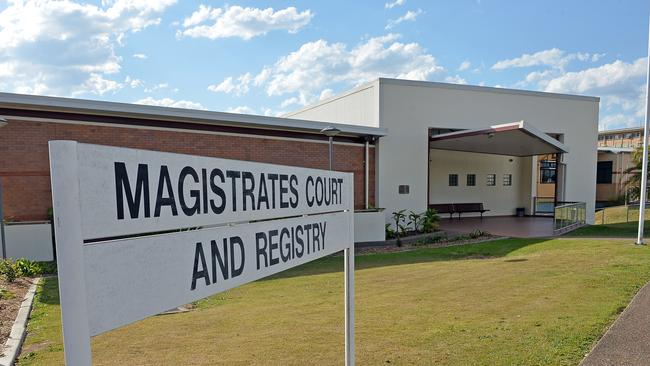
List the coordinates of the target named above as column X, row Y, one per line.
column 139, row 232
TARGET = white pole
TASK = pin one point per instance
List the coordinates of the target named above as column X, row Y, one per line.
column 349, row 287
column 2, row 226
column 69, row 248
column 644, row 170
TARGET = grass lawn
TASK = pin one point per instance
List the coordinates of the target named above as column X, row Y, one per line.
column 507, row 302
column 616, row 224
column 622, row 230
column 618, row 215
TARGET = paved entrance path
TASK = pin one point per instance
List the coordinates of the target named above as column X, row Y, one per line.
column 627, row 342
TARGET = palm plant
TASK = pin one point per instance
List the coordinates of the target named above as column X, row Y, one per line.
column 633, row 173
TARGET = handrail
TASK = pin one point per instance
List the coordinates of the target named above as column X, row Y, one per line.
column 568, row 216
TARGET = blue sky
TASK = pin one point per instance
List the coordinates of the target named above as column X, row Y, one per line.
column 274, row 57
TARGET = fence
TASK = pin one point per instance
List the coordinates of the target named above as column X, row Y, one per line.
column 568, row 216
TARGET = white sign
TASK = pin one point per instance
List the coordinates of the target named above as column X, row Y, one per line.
column 129, row 191
column 139, row 232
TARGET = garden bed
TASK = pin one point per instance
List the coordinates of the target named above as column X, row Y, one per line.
column 12, row 294
column 439, row 239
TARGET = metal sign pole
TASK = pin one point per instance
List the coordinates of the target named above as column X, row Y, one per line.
column 2, row 225
column 644, row 168
column 70, row 261
column 349, row 287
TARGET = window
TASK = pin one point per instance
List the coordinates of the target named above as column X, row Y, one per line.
column 507, row 179
column 453, row 180
column 471, row 180
column 403, row 189
column 547, row 169
column 491, row 179
column 604, row 172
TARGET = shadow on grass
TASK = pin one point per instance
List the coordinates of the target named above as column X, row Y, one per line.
column 623, row 230
column 49, row 291
column 491, row 249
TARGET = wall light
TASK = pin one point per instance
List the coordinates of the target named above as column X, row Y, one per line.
column 3, row 122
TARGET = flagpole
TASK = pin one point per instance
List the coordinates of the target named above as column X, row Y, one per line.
column 644, row 168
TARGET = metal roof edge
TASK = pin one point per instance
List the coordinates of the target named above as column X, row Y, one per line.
column 488, row 89
column 86, row 106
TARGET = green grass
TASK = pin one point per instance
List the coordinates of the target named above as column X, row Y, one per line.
column 615, row 225
column 5, row 294
column 622, row 230
column 618, row 215
column 507, row 302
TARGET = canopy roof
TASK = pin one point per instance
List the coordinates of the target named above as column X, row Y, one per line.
column 513, row 139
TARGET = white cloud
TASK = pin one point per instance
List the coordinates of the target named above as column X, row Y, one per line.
column 393, row 4
column 608, row 78
column 96, row 84
column 410, row 16
column 455, row 80
column 464, row 65
column 318, row 65
column 140, row 56
column 242, row 109
column 64, row 47
column 553, row 57
column 156, row 87
column 133, row 82
column 620, row 85
column 238, row 87
column 168, row 102
column 245, row 23
column 326, row 93
column 289, row 102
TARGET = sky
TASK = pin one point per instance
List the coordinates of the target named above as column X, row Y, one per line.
column 273, row 57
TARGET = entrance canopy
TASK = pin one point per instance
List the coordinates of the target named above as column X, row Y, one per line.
column 513, row 139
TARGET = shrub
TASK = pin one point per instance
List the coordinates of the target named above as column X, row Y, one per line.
column 430, row 221
column 415, row 220
column 478, row 233
column 399, row 217
column 390, row 233
column 26, row 268
column 8, row 270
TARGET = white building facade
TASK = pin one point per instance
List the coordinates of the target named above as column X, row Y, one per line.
column 411, row 173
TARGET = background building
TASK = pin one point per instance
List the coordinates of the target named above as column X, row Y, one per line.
column 615, row 148
column 35, row 120
column 409, row 144
column 626, row 137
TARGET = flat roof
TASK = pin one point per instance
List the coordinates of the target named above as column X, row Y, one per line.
column 489, row 89
column 436, row 84
column 619, row 130
column 511, row 139
column 11, row 101
column 615, row 150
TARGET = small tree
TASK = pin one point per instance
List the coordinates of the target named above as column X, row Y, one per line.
column 633, row 173
column 399, row 217
column 415, row 220
column 430, row 221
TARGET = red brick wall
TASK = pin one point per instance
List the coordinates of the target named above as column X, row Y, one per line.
column 24, row 162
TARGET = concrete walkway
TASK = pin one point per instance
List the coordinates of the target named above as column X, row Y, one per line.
column 627, row 342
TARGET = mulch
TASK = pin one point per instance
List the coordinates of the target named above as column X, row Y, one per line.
column 9, row 307
column 439, row 244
